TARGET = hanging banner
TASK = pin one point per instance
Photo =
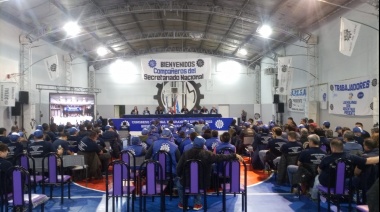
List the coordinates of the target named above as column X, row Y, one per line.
column 297, row 100
column 285, row 75
column 176, row 70
column 323, row 96
column 353, row 97
column 7, row 94
column 52, row 67
column 349, row 32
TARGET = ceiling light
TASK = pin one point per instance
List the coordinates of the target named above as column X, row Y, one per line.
column 243, row 52
column 101, row 51
column 265, row 31
column 72, row 28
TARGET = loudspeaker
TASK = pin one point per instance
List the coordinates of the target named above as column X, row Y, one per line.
column 276, row 99
column 23, row 97
column 280, row 107
column 16, row 110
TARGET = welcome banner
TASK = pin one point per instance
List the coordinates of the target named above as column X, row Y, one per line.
column 297, row 100
column 7, row 94
column 353, row 97
column 176, row 69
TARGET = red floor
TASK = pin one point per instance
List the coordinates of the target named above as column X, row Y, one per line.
column 253, row 177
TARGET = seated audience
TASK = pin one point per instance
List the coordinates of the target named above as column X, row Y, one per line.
column 350, row 145
column 207, row 158
column 337, row 152
column 214, row 141
column 306, row 169
column 136, row 147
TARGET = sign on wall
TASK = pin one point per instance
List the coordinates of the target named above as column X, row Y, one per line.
column 7, row 94
column 297, row 100
column 137, row 124
column 353, row 97
column 176, row 70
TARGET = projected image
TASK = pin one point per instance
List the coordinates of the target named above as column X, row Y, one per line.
column 73, row 108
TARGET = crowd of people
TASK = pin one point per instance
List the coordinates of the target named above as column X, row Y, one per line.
column 301, row 153
column 172, row 110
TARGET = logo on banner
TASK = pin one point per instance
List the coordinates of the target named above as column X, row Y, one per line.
column 152, row 63
column 374, row 82
column 191, row 95
column 200, row 63
column 257, row 116
column 219, row 124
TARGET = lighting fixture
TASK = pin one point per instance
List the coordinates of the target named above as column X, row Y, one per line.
column 71, row 28
column 265, row 31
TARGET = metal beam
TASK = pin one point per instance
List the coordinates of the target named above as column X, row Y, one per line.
column 173, row 35
column 67, row 88
column 113, row 26
column 104, row 62
column 66, row 12
column 233, row 23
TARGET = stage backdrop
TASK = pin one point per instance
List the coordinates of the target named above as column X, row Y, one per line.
column 297, row 100
column 187, row 69
column 353, row 97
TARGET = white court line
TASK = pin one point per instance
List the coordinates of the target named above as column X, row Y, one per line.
column 79, row 197
column 88, row 188
column 260, row 181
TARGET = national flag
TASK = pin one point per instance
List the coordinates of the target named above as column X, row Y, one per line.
column 52, row 67
column 349, row 32
column 177, row 110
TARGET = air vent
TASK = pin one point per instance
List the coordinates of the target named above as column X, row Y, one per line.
column 270, row 71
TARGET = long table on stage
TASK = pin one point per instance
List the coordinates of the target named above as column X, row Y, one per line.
column 153, row 116
column 138, row 122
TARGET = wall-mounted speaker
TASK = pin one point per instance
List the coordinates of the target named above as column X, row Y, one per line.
column 16, row 110
column 276, row 99
column 23, row 97
column 281, row 107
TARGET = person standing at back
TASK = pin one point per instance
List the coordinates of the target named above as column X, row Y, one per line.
column 243, row 115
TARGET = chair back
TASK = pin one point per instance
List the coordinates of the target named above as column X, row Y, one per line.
column 52, row 167
column 232, row 171
column 192, row 175
column 120, row 186
column 222, row 165
column 150, row 168
column 129, row 158
column 340, row 170
column 166, row 162
column 19, row 178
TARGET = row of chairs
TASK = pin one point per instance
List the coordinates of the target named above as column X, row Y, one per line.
column 125, row 171
column 28, row 172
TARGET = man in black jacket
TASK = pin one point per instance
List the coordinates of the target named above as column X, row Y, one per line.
column 207, row 158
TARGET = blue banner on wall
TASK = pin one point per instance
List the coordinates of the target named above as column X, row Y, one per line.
column 137, row 124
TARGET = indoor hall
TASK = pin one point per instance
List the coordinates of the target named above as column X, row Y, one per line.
column 91, row 61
